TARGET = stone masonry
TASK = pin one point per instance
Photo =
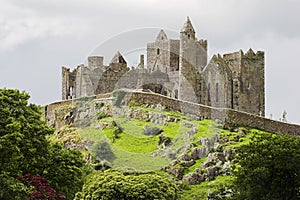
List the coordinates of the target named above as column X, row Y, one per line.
column 178, row 68
column 227, row 116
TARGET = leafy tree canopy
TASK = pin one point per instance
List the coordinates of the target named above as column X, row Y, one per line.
column 269, row 168
column 41, row 188
column 24, row 149
column 117, row 185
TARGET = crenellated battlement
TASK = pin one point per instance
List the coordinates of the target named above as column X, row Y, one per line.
column 203, row 43
column 178, row 68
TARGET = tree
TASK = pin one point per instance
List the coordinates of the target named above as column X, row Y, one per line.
column 12, row 189
column 269, row 168
column 22, row 133
column 63, row 170
column 24, row 149
column 41, row 188
column 117, row 185
column 23, row 145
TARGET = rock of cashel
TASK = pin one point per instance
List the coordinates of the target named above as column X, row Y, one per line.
column 179, row 69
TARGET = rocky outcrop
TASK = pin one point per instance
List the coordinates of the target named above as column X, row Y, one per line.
column 139, row 114
column 194, row 178
column 70, row 138
column 217, row 163
column 207, row 144
column 151, row 130
column 177, row 172
column 164, row 141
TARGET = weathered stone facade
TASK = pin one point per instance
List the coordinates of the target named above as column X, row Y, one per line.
column 178, row 69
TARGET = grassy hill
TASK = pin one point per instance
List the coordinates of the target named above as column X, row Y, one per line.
column 196, row 153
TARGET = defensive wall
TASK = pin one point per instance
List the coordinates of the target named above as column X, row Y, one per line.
column 223, row 115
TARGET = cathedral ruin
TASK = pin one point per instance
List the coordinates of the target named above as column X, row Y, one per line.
column 178, row 68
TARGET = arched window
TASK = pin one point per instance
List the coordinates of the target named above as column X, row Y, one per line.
column 158, row 51
column 71, row 92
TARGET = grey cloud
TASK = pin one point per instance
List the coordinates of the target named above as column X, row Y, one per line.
column 41, row 36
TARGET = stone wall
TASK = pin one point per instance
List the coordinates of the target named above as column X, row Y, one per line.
column 218, row 80
column 252, row 81
column 228, row 116
column 174, row 54
column 68, row 83
column 248, row 80
column 163, row 54
column 110, row 77
column 222, row 115
column 193, row 58
column 95, row 62
column 49, row 113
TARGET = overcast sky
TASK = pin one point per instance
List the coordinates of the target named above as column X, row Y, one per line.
column 37, row 37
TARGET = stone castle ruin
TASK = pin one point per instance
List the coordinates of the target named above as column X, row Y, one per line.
column 178, row 68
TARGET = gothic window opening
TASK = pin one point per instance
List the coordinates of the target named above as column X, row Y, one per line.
column 189, row 36
column 158, row 51
column 71, row 92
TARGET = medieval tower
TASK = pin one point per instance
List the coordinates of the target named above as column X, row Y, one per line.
column 178, row 68
column 193, row 58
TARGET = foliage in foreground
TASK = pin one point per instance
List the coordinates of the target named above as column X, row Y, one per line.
column 41, row 188
column 117, row 185
column 24, row 149
column 269, row 168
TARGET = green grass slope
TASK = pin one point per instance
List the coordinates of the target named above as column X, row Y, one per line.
column 130, row 148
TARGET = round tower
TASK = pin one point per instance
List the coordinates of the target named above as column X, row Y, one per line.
column 187, row 31
column 187, row 63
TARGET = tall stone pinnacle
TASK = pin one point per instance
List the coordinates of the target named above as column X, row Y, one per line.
column 118, row 58
column 187, row 26
column 161, row 36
